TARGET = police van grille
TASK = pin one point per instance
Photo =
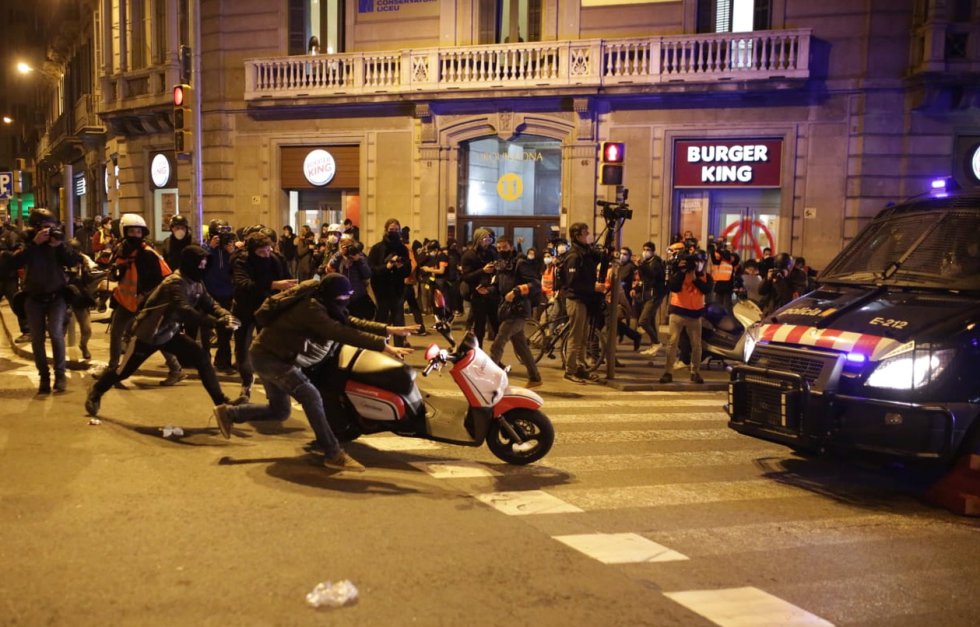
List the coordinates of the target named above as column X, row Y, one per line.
column 809, row 367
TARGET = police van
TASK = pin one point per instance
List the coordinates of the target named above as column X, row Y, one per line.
column 884, row 357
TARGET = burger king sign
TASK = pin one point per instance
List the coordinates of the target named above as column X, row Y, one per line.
column 319, row 167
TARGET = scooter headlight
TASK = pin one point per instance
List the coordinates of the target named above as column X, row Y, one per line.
column 910, row 368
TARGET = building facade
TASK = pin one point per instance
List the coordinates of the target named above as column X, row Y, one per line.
column 779, row 123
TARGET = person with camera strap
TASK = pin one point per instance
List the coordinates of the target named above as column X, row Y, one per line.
column 390, row 266
column 519, row 287
column 689, row 284
column 44, row 259
column 584, row 293
column 351, row 262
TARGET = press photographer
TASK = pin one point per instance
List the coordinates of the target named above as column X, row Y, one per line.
column 351, row 262
column 689, row 284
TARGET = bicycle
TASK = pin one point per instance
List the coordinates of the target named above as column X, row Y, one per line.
column 553, row 335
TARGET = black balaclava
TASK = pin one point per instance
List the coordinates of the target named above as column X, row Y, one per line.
column 190, row 261
column 334, row 293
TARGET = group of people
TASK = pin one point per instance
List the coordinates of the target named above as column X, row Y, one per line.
column 185, row 300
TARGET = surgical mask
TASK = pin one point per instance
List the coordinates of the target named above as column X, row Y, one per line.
column 648, row 254
column 333, row 239
column 549, row 260
column 179, row 233
column 530, row 256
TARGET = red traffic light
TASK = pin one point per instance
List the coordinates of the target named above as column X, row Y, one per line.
column 180, row 93
column 613, row 152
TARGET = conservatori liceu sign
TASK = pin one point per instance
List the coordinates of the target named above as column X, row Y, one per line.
column 727, row 163
column 382, row 6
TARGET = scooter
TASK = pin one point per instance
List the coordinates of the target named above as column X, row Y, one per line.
column 723, row 332
column 373, row 392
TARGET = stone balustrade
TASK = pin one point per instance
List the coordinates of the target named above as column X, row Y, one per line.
column 593, row 63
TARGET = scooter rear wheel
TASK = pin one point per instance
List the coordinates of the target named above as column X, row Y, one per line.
column 531, row 426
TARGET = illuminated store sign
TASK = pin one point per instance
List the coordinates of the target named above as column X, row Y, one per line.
column 728, row 163
column 160, row 170
column 975, row 163
column 319, row 167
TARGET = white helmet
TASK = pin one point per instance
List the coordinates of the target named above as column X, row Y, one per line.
column 335, row 228
column 133, row 219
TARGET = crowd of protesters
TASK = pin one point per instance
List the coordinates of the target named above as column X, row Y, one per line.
column 492, row 283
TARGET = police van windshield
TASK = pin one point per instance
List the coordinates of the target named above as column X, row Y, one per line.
column 937, row 248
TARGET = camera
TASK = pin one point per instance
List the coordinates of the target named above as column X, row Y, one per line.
column 613, row 211
column 355, row 248
column 56, row 232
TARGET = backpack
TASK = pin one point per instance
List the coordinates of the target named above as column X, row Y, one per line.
column 277, row 304
column 561, row 276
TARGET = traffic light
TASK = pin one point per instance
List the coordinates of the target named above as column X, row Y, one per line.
column 611, row 167
column 183, row 137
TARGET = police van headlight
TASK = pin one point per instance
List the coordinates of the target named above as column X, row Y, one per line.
column 751, row 339
column 909, row 367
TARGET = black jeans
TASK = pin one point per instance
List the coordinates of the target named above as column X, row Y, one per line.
column 391, row 311
column 183, row 348
column 483, row 310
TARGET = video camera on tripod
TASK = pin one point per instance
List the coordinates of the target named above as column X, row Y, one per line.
column 618, row 210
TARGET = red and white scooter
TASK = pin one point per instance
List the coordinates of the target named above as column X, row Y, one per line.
column 375, row 393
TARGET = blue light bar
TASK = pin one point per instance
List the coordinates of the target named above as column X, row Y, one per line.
column 857, row 358
column 938, row 183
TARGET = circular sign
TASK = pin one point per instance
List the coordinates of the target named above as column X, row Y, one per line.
column 160, row 170
column 975, row 163
column 319, row 167
column 510, row 186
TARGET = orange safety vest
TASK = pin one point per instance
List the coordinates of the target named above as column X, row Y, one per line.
column 548, row 281
column 126, row 293
column 690, row 297
column 722, row 271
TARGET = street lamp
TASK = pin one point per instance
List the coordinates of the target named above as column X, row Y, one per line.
column 8, row 120
column 24, row 68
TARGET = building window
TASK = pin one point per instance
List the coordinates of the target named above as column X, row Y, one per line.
column 509, row 21
column 733, row 16
column 510, row 178
column 137, row 35
column 320, row 19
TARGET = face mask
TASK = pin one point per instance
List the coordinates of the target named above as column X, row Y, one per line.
column 505, row 254
column 333, row 239
column 134, row 240
column 179, row 233
column 337, row 308
column 647, row 254
column 394, row 237
column 549, row 260
column 530, row 257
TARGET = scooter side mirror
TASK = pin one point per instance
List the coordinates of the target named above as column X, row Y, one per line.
column 432, row 352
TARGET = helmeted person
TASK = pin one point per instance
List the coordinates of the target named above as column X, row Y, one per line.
column 689, row 285
column 783, row 282
column 220, row 285
column 139, row 269
column 318, row 318
column 180, row 237
column 257, row 272
column 179, row 300
column 44, row 259
column 724, row 267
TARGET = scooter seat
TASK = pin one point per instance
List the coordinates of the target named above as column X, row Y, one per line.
column 380, row 370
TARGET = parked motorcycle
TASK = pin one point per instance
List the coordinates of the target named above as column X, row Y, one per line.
column 723, row 332
column 374, row 392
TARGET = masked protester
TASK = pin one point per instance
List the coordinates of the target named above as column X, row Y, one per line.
column 179, row 238
column 478, row 267
column 179, row 300
column 139, row 270
column 390, row 266
column 584, row 293
column 257, row 272
column 304, row 333
column 517, row 281
column 44, row 259
column 649, row 292
column 689, row 284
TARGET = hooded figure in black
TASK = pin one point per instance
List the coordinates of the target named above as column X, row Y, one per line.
column 309, row 326
column 179, row 300
column 390, row 266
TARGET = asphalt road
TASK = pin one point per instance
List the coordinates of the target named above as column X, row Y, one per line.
column 649, row 511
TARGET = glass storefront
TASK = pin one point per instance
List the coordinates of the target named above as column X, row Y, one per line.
column 512, row 187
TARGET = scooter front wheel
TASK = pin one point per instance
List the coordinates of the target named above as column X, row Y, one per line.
column 535, row 436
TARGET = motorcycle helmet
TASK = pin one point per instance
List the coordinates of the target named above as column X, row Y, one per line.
column 782, row 262
column 178, row 220
column 41, row 216
column 130, row 220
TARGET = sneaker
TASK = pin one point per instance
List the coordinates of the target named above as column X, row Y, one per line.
column 23, row 338
column 667, row 378
column 343, row 461
column 119, row 385
column 574, row 378
column 533, row 383
column 653, row 350
column 44, row 387
column 696, row 378
column 224, row 420
column 92, row 403
column 174, row 378
column 588, row 376
column 422, row 332
column 60, row 384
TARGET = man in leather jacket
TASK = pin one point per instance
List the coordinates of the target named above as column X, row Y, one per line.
column 180, row 299
column 302, row 333
column 519, row 287
column 478, row 268
column 583, row 290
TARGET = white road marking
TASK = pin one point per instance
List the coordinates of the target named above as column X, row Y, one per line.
column 527, row 503
column 646, row 461
column 593, row 499
column 638, row 416
column 744, row 607
column 454, row 469
column 397, row 443
column 721, row 432
column 638, row 404
column 620, row 548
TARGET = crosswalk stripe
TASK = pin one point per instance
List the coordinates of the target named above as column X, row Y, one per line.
column 744, row 607
column 646, row 461
column 594, row 499
column 645, row 435
column 638, row 417
column 620, row 548
column 526, row 503
column 455, row 469
column 637, row 403
column 398, row 443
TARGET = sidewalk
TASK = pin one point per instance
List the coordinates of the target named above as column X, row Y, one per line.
column 637, row 372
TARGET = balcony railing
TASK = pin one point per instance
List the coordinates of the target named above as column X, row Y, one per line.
column 593, row 63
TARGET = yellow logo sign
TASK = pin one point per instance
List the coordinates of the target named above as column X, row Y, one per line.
column 510, row 186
